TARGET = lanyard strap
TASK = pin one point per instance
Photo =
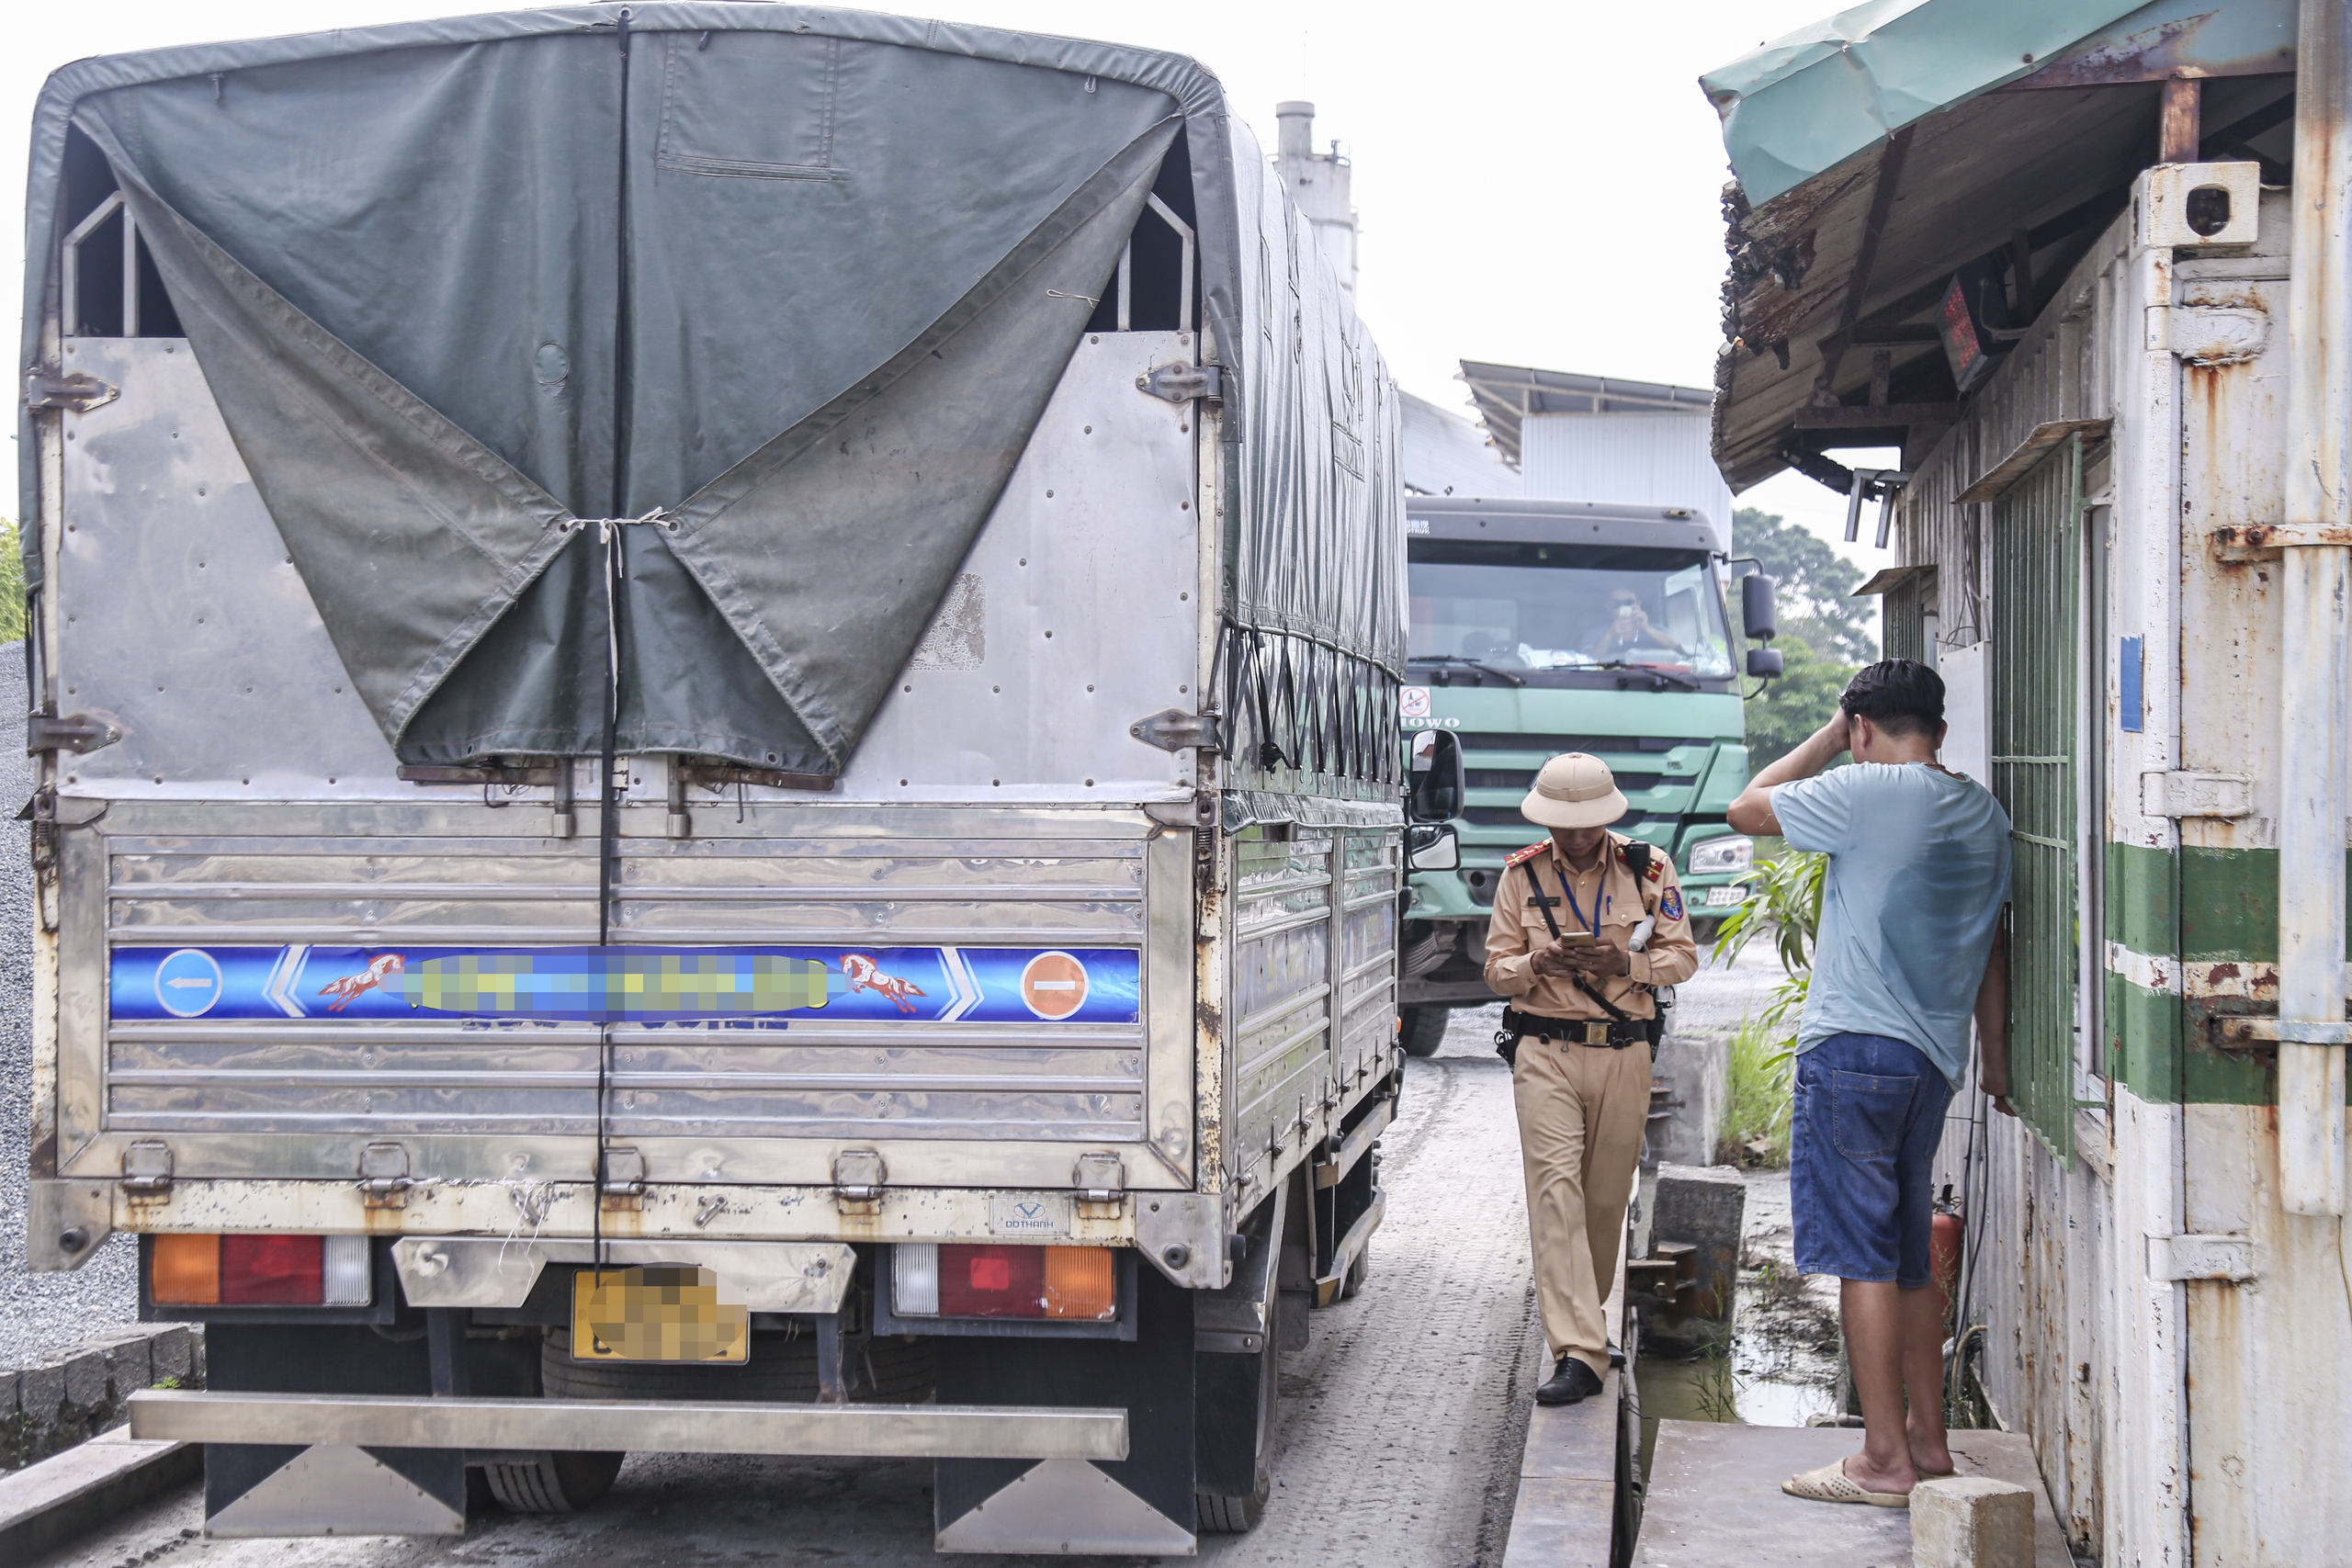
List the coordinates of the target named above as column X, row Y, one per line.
column 1600, row 904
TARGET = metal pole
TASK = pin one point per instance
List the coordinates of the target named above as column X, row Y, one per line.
column 2318, row 576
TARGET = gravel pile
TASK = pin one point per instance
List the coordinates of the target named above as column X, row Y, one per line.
column 39, row 1314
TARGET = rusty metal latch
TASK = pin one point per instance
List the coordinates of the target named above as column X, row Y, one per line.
column 76, row 733
column 76, row 393
column 2178, row 795
column 1182, row 383
column 2293, row 1032
column 147, row 1168
column 624, row 1173
column 1102, row 1183
column 2229, row 1258
column 858, row 1177
column 383, row 1177
column 1172, row 729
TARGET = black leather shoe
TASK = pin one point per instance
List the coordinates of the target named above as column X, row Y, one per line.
column 1616, row 1354
column 1571, row 1382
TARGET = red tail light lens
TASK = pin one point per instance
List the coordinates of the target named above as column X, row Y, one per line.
column 273, row 1270
column 992, row 1282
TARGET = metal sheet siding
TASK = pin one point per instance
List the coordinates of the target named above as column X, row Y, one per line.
column 1646, row 459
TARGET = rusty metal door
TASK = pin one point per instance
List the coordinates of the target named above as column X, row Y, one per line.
column 2037, row 581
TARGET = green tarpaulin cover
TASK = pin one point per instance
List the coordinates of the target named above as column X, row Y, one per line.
column 746, row 311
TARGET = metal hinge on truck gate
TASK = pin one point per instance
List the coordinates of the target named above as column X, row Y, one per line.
column 76, row 393
column 76, row 733
column 1182, row 383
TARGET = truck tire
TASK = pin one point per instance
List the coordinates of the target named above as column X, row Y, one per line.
column 553, row 1482
column 782, row 1370
column 1234, row 1514
column 1358, row 1271
column 1424, row 1029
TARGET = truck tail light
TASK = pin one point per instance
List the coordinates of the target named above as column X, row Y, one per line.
column 1066, row 1283
column 261, row 1270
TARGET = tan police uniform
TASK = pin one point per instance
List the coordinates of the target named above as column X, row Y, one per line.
column 1582, row 1103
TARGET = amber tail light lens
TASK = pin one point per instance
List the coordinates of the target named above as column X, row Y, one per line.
column 185, row 1270
column 1079, row 1283
column 260, row 1271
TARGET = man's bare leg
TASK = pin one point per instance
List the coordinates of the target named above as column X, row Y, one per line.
column 1876, row 1323
column 1923, row 1379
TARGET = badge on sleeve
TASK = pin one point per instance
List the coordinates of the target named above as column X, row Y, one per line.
column 1670, row 906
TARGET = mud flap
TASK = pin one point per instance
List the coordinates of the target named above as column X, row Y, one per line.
column 1143, row 1504
column 253, row 1489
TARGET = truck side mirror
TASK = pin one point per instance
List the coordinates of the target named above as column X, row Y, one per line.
column 1757, row 608
column 1763, row 663
column 1437, row 779
column 1431, row 846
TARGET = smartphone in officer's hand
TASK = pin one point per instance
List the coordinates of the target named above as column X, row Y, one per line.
column 1578, row 939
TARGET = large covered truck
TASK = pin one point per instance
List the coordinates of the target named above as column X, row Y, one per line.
column 713, row 698
column 1543, row 626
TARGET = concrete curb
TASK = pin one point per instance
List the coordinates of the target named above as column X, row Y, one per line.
column 46, row 1505
column 1567, row 1511
column 79, row 1392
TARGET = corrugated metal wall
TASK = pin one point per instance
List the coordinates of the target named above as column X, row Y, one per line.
column 2040, row 1270
column 1646, row 459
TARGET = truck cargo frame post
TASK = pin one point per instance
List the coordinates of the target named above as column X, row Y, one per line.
column 776, row 828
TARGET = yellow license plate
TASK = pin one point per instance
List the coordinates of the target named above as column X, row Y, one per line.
column 656, row 1313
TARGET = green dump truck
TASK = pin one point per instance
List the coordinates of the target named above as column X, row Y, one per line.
column 1543, row 626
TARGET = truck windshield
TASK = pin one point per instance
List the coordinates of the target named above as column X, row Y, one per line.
column 1533, row 606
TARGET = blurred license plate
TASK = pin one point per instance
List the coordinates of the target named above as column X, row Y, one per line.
column 1719, row 896
column 655, row 1315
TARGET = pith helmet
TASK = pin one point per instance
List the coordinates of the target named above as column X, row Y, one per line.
column 1572, row 791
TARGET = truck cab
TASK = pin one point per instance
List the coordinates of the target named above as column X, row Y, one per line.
column 1544, row 627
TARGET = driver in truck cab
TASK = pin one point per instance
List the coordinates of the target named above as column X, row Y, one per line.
column 1588, row 925
column 1627, row 628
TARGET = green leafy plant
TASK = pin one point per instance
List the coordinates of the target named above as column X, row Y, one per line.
column 12, row 583
column 1757, row 1098
column 1784, row 899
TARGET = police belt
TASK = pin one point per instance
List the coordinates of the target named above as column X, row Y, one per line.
column 1577, row 1031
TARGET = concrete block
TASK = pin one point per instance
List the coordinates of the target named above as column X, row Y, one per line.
column 172, row 1354
column 129, row 1362
column 47, row 1504
column 1696, row 1064
column 8, row 1395
column 1701, row 1207
column 1971, row 1521
column 85, row 1378
column 40, row 1393
column 195, row 1350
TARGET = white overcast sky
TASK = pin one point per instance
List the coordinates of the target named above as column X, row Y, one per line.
column 1537, row 181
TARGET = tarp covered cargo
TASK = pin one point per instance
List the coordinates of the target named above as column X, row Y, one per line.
column 744, row 311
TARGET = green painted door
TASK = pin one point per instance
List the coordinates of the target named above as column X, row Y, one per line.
column 2036, row 577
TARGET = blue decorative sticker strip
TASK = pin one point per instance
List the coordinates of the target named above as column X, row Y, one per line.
column 628, row 985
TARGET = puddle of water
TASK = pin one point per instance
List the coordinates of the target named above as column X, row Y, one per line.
column 1780, row 1367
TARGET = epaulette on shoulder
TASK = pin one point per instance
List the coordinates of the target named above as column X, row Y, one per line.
column 1529, row 853
column 1642, row 859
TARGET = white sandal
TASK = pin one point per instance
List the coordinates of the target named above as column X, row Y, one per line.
column 1830, row 1483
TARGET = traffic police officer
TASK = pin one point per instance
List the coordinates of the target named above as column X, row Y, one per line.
column 1586, row 925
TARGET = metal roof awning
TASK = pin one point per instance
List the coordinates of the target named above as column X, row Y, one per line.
column 1888, row 579
column 1926, row 159
column 1506, row 394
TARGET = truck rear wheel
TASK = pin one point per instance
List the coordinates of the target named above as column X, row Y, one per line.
column 562, row 1483
column 1424, row 1029
column 1226, row 1513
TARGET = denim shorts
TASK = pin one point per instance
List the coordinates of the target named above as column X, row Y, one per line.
column 1870, row 1111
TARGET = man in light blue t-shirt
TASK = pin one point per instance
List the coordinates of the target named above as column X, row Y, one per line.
column 1908, row 954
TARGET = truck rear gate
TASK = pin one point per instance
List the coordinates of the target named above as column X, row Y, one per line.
column 636, row 709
